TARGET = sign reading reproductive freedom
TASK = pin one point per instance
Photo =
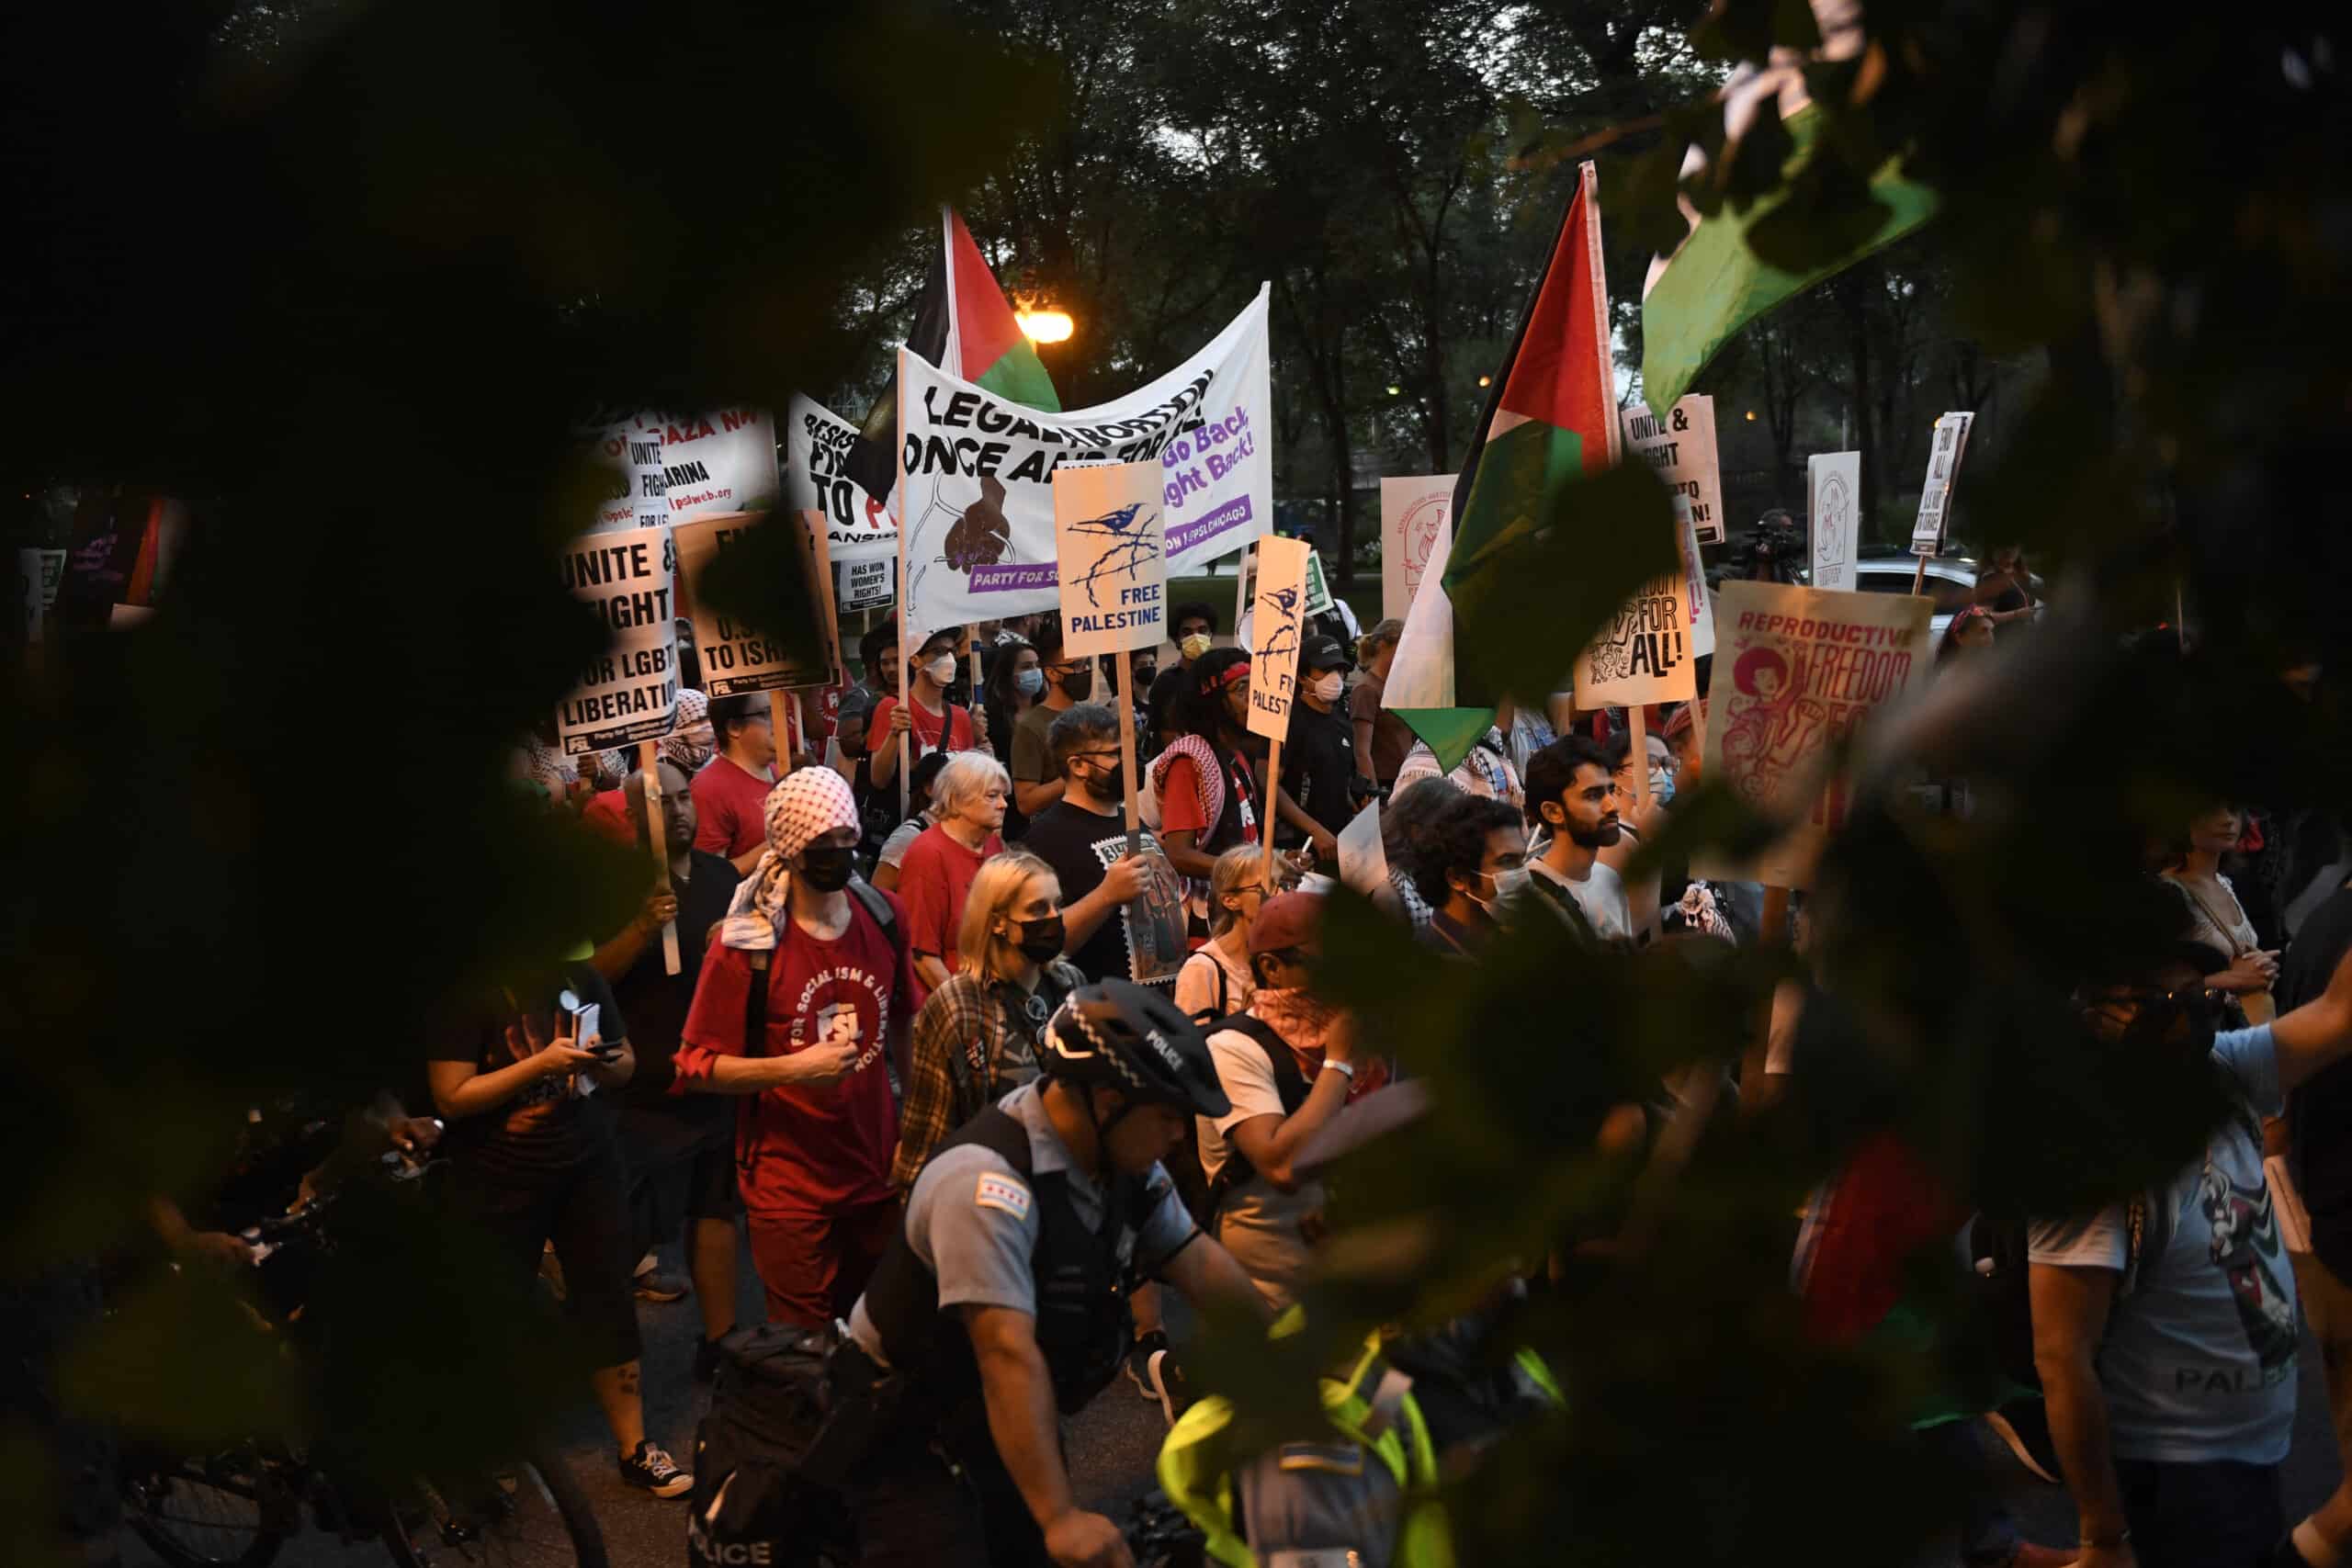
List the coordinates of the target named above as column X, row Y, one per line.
column 1413, row 511
column 1643, row 653
column 1796, row 670
column 1277, row 623
column 976, row 482
column 1682, row 447
column 736, row 658
column 1833, row 482
column 627, row 693
column 1113, row 585
column 860, row 533
column 1943, row 468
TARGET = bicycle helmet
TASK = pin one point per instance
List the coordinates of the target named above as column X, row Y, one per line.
column 1134, row 1039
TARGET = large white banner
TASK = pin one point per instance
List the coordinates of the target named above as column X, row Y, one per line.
column 1413, row 510
column 860, row 533
column 1834, row 484
column 976, row 482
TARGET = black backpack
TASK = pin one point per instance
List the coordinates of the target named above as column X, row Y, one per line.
column 2003, row 1297
column 1201, row 1195
column 752, row 1508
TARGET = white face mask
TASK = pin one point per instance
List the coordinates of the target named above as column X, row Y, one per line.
column 1325, row 688
column 1508, row 885
column 1194, row 645
column 942, row 670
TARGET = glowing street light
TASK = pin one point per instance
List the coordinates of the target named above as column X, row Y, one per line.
column 1751, row 416
column 1046, row 326
column 1485, row 381
column 1396, row 391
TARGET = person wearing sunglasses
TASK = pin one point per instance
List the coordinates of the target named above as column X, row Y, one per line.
column 2165, row 1326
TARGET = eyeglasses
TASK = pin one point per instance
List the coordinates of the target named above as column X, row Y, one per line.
column 1095, row 756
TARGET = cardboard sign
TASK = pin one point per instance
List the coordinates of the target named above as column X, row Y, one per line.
column 1113, row 579
column 1682, row 447
column 1278, row 622
column 1797, row 669
column 1943, row 468
column 975, row 492
column 860, row 533
column 1154, row 921
column 1413, row 510
column 1833, row 482
column 1643, row 653
column 735, row 658
column 1699, row 614
column 1319, row 592
column 630, row 691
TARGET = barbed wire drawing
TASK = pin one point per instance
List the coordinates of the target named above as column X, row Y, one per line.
column 1132, row 546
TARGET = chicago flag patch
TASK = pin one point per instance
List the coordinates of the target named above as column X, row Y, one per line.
column 1002, row 1193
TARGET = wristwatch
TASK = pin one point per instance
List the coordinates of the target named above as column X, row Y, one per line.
column 1347, row 1067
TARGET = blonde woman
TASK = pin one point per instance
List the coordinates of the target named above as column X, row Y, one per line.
column 1214, row 982
column 976, row 1038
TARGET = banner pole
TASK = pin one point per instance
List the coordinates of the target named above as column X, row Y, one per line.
column 1266, row 818
column 1919, row 577
column 1241, row 586
column 974, row 652
column 1637, row 730
column 647, row 758
column 899, row 497
column 1127, row 758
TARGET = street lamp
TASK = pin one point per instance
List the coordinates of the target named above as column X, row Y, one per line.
column 1044, row 326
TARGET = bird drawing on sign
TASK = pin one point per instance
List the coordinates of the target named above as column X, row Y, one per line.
column 1284, row 637
column 1129, row 546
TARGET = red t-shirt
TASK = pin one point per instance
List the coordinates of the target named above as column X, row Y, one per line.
column 730, row 808
column 934, row 877
column 800, row 1149
column 923, row 729
column 1180, row 803
column 608, row 814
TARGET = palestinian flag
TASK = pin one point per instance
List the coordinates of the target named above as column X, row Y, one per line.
column 1695, row 300
column 1552, row 419
column 964, row 326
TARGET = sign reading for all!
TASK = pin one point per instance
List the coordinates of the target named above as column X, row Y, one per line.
column 628, row 692
column 1645, row 653
column 1804, row 666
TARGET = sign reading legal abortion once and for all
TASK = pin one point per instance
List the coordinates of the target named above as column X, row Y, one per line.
column 1943, row 468
column 1107, row 542
column 1278, row 623
column 1413, row 511
column 976, row 475
column 1796, row 670
column 627, row 693
column 736, row 658
column 1682, row 447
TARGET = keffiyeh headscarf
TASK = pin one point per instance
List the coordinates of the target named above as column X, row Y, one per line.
column 807, row 803
column 548, row 767
column 694, row 709
column 614, row 767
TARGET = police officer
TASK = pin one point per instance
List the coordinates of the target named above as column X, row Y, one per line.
column 1004, row 1296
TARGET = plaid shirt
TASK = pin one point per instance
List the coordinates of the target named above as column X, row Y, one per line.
column 971, row 1049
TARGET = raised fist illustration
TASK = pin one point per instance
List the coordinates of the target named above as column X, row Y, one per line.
column 980, row 536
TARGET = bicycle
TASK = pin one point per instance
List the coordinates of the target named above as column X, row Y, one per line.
column 236, row 1508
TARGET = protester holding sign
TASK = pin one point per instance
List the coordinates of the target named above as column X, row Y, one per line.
column 935, row 724
column 1206, row 789
column 1083, row 838
column 730, row 793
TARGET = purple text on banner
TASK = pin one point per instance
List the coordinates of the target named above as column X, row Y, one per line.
column 1234, row 513
column 1016, row 578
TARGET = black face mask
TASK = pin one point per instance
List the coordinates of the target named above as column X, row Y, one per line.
column 1041, row 939
column 1080, row 686
column 826, row 870
column 1107, row 784
column 1145, row 675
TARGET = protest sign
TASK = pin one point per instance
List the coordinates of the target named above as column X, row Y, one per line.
column 1682, row 447
column 860, row 533
column 976, row 475
column 1943, row 468
column 1278, row 624
column 1698, row 615
column 1319, row 592
column 627, row 693
column 1107, row 543
column 1413, row 510
column 1797, row 669
column 648, row 485
column 38, row 571
column 736, row 658
column 1834, row 483
column 607, row 447
column 1364, row 856
column 718, row 462
column 1644, row 652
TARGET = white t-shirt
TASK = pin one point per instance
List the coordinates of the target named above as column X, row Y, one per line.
column 1601, row 896
column 1197, row 990
column 1258, row 1224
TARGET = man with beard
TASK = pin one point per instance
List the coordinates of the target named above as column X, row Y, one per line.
column 1572, row 794
column 2164, row 1328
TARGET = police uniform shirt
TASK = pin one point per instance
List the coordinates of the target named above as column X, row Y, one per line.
column 973, row 1222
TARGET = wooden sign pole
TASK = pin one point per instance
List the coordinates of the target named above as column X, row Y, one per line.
column 647, row 760
column 1637, row 728
column 1128, row 757
column 780, row 724
column 1266, row 818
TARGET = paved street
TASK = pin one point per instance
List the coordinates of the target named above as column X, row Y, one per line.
column 1112, row 1445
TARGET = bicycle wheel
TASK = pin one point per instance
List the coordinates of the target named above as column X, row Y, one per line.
column 532, row 1515
column 204, row 1513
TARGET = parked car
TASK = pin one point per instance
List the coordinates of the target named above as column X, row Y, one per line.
column 1950, row 582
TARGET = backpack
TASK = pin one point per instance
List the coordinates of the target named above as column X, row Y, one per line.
column 1201, row 1195
column 2002, row 1294
column 751, row 1503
